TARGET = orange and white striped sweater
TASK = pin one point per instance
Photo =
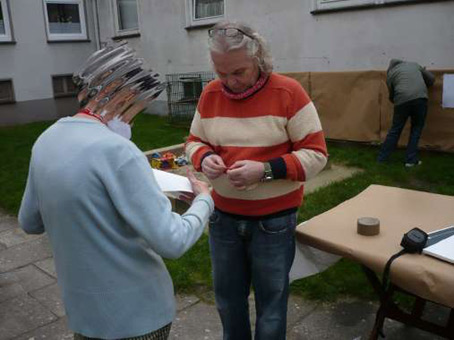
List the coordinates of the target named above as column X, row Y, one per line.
column 278, row 124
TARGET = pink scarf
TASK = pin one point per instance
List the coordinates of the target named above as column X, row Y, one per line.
column 247, row 93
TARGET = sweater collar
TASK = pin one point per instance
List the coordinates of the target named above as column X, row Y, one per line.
column 247, row 93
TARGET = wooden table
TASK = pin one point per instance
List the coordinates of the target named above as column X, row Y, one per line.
column 398, row 210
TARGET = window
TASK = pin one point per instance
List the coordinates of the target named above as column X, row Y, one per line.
column 63, row 86
column 183, row 92
column 333, row 5
column 5, row 28
column 126, row 17
column 204, row 12
column 65, row 20
column 192, row 87
column 6, row 91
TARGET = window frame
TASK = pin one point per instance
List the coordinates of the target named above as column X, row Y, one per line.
column 67, row 36
column 66, row 77
column 191, row 21
column 124, row 32
column 12, row 100
column 8, row 36
column 320, row 6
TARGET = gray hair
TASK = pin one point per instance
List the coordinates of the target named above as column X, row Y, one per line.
column 255, row 45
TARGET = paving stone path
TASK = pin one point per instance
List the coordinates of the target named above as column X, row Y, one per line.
column 31, row 306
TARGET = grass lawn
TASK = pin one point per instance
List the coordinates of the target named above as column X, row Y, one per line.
column 191, row 273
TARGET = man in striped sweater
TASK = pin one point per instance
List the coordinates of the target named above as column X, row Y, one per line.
column 257, row 136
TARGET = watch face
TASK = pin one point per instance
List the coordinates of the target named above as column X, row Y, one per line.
column 268, row 177
column 268, row 173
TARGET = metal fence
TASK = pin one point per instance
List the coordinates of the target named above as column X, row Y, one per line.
column 183, row 92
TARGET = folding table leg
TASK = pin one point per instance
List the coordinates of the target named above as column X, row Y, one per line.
column 385, row 302
column 450, row 325
column 418, row 308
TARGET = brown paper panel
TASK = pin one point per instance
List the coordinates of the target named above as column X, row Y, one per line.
column 303, row 78
column 354, row 106
column 348, row 104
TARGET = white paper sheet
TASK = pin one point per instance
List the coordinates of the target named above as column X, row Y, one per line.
column 443, row 250
column 169, row 182
column 310, row 261
column 448, row 91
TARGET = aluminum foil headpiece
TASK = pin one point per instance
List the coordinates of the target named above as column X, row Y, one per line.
column 112, row 83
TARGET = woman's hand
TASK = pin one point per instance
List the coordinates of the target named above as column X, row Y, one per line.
column 198, row 187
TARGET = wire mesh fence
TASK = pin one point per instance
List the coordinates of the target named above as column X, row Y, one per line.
column 183, row 93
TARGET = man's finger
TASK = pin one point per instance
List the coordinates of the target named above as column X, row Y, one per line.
column 237, row 182
column 238, row 164
column 234, row 172
column 218, row 161
column 216, row 164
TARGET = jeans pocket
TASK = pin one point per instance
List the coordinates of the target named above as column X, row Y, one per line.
column 279, row 225
column 214, row 218
column 221, row 230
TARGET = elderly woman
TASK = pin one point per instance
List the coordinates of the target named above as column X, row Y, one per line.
column 93, row 192
column 257, row 136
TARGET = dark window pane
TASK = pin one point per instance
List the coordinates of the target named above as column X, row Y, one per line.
column 127, row 14
column 2, row 23
column 64, row 18
column 70, row 85
column 63, row 86
column 6, row 91
column 57, row 83
column 192, row 87
column 208, row 8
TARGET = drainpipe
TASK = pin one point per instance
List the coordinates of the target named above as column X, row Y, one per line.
column 96, row 19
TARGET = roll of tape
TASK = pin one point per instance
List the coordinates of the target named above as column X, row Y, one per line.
column 368, row 226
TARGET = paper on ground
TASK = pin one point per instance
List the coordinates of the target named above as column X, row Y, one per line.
column 309, row 261
column 169, row 182
column 448, row 91
column 443, row 250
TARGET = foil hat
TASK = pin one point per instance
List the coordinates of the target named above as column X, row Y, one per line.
column 113, row 83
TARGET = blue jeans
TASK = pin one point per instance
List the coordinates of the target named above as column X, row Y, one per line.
column 416, row 110
column 260, row 252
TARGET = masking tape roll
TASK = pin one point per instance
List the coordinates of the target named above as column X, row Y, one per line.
column 368, row 226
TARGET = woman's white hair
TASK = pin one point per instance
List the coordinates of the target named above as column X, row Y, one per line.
column 252, row 41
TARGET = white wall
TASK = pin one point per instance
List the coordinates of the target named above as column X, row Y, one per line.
column 340, row 41
column 31, row 61
column 300, row 41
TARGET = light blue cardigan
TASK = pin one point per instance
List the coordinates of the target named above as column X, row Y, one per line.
column 94, row 194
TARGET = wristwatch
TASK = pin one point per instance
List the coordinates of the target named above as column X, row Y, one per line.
column 267, row 174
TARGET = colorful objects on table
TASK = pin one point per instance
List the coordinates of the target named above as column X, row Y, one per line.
column 167, row 161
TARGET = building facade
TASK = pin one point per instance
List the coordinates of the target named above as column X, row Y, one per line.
column 44, row 41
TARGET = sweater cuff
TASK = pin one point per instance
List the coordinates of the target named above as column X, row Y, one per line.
column 208, row 200
column 278, row 168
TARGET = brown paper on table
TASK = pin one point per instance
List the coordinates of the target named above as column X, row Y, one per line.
column 398, row 210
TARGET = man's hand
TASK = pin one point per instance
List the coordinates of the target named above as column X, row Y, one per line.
column 213, row 166
column 244, row 173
